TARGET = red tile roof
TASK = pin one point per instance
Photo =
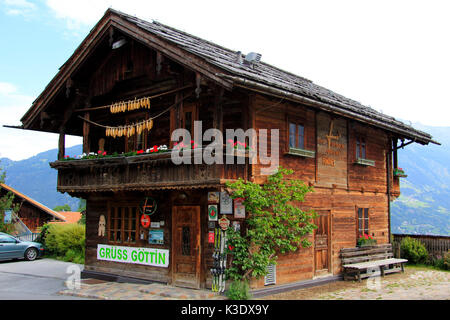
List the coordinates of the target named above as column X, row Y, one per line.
column 70, row 217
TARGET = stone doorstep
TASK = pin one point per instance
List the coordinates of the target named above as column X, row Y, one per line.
column 100, row 289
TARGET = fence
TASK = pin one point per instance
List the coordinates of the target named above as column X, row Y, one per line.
column 436, row 245
column 28, row 236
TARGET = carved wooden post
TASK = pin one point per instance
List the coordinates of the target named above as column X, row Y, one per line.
column 86, row 128
column 62, row 143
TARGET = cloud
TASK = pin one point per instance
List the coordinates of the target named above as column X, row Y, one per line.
column 17, row 144
column 19, row 7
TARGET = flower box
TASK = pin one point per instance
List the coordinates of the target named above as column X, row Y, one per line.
column 398, row 172
column 365, row 162
column 302, row 153
column 366, row 240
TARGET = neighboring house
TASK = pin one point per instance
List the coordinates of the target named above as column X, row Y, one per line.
column 131, row 83
column 70, row 217
column 32, row 213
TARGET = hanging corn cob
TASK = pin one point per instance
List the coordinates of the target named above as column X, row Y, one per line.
column 130, row 105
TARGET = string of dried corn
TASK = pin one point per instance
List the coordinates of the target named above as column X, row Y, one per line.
column 130, row 105
column 129, row 130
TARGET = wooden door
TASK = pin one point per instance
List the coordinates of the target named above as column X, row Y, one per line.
column 186, row 251
column 322, row 243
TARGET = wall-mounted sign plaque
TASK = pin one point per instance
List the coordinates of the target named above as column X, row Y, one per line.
column 239, row 208
column 148, row 206
column 224, row 223
column 213, row 212
column 145, row 221
column 213, row 197
column 226, row 203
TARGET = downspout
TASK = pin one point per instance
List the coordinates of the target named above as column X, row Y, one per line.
column 389, row 190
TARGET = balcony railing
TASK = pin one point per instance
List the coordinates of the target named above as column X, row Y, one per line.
column 142, row 172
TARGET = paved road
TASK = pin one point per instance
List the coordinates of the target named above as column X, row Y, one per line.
column 34, row 280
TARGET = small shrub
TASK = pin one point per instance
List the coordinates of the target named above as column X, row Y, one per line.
column 74, row 256
column 446, row 261
column 239, row 290
column 66, row 241
column 413, row 250
column 41, row 237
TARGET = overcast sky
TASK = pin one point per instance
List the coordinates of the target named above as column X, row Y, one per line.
column 390, row 55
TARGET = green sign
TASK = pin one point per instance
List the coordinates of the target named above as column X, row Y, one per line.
column 146, row 256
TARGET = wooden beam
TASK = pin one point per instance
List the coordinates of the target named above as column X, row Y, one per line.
column 218, row 109
column 86, row 129
column 62, row 144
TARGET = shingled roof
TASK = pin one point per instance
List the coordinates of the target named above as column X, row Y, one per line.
column 265, row 77
column 228, row 71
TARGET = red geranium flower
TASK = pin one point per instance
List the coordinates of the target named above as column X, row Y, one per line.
column 140, row 151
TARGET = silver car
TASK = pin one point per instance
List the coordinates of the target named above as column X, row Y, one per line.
column 13, row 248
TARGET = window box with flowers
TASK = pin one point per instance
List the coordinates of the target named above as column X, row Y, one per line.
column 398, row 172
column 104, row 155
column 366, row 240
column 239, row 148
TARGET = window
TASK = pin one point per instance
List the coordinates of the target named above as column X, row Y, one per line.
column 360, row 148
column 137, row 141
column 189, row 116
column 6, row 239
column 123, row 224
column 363, row 222
column 296, row 135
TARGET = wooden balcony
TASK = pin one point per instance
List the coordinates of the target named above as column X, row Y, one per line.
column 142, row 172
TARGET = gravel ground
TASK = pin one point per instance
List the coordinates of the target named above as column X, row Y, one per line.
column 415, row 284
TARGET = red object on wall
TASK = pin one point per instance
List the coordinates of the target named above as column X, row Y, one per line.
column 145, row 221
column 211, row 237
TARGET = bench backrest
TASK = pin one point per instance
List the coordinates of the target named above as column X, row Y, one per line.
column 364, row 254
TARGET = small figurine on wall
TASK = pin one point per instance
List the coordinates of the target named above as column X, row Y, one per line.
column 101, row 226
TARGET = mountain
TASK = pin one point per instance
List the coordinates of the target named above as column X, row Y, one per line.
column 34, row 178
column 424, row 204
column 422, row 208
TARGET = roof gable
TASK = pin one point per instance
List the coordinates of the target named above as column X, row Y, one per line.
column 38, row 205
column 221, row 65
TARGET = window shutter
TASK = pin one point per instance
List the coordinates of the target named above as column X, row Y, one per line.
column 271, row 276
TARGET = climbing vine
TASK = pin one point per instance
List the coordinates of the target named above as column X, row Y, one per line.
column 275, row 224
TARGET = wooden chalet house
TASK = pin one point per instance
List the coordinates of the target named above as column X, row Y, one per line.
column 347, row 151
column 32, row 214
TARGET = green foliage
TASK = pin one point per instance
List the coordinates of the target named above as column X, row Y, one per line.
column 66, row 241
column 239, row 290
column 413, row 250
column 65, row 208
column 43, row 234
column 6, row 203
column 82, row 208
column 446, row 261
column 275, row 224
column 81, row 205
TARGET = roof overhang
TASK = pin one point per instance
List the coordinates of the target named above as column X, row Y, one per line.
column 113, row 19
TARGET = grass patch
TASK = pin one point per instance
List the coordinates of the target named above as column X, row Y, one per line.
column 424, row 267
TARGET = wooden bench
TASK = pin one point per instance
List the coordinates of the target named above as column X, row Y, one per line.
column 369, row 261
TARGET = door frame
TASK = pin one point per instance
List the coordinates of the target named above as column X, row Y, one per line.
column 197, row 243
column 329, row 246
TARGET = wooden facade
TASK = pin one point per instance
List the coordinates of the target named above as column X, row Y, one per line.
column 345, row 150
